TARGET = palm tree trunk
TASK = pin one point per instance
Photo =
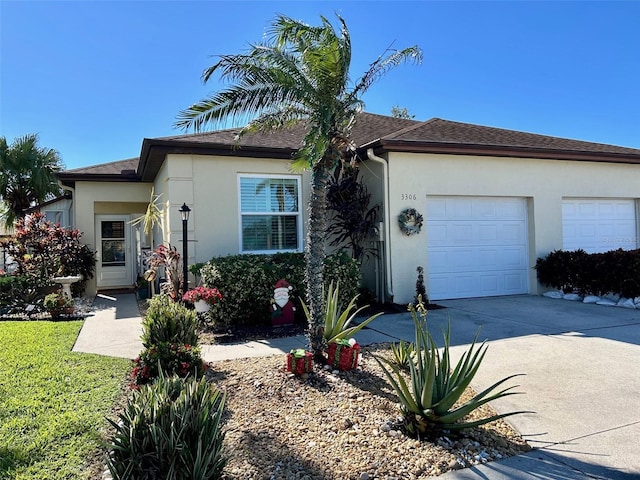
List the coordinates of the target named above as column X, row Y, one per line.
column 314, row 256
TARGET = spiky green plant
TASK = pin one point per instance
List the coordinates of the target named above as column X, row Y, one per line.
column 170, row 429
column 403, row 354
column 428, row 403
column 336, row 322
column 167, row 321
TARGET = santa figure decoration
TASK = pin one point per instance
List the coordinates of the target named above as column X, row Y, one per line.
column 282, row 307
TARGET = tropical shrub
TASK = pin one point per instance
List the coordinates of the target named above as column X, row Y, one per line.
column 166, row 259
column 178, row 359
column 427, row 405
column 43, row 250
column 247, row 282
column 336, row 320
column 615, row 271
column 353, row 220
column 166, row 321
column 171, row 429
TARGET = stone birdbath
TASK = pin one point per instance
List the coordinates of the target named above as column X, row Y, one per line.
column 66, row 283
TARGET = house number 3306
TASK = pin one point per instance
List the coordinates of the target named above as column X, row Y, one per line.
column 408, row 196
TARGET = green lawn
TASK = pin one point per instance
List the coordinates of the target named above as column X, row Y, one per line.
column 53, row 402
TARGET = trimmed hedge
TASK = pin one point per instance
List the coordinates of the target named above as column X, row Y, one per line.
column 616, row 271
column 247, row 283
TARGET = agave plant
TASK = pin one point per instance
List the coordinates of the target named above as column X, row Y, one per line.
column 336, row 322
column 403, row 354
column 428, row 404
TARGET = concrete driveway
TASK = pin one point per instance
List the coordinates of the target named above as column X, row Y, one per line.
column 582, row 366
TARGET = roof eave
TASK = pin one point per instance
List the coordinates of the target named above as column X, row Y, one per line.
column 154, row 152
column 69, row 179
column 381, row 146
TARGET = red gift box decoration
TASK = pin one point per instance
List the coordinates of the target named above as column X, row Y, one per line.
column 342, row 355
column 299, row 361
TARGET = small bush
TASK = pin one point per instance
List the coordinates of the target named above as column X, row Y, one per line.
column 172, row 358
column 167, row 321
column 171, row 429
column 247, row 282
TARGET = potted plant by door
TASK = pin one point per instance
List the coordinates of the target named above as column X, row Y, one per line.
column 202, row 298
column 58, row 304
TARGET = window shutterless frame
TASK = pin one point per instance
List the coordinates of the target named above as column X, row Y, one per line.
column 269, row 213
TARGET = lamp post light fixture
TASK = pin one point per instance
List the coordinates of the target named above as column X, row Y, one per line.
column 184, row 213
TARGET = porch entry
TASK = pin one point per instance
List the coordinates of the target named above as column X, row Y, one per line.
column 115, row 258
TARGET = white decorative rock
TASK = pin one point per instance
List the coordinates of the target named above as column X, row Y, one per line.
column 606, row 302
column 553, row 294
column 626, row 303
column 614, row 297
column 636, row 301
column 574, row 297
column 591, row 299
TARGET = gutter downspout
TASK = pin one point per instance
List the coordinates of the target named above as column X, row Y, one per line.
column 73, row 201
column 387, row 220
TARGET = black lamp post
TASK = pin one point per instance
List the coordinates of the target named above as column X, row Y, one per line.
column 184, row 213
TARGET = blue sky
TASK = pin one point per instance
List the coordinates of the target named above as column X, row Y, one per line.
column 94, row 78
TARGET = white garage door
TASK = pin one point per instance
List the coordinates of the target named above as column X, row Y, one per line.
column 477, row 247
column 598, row 225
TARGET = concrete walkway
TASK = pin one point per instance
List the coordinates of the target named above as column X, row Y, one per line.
column 582, row 366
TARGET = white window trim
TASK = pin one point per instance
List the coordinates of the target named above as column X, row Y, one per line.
column 297, row 178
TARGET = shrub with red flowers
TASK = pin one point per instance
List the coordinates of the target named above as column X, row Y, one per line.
column 173, row 358
column 209, row 295
column 42, row 250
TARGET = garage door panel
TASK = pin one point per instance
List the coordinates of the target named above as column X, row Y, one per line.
column 599, row 225
column 474, row 244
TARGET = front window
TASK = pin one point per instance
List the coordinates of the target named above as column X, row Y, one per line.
column 270, row 217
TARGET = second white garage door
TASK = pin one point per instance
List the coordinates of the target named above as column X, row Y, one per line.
column 477, row 247
column 599, row 224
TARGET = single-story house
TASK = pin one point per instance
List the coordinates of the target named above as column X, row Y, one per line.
column 491, row 201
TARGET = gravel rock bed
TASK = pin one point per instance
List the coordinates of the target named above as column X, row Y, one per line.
column 337, row 425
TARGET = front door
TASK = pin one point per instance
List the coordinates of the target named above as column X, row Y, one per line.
column 114, row 256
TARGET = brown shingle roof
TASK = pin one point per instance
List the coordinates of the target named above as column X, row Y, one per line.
column 437, row 130
column 119, row 171
column 380, row 132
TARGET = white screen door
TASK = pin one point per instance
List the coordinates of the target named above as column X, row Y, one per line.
column 114, row 256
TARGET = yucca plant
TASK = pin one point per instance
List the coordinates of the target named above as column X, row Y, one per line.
column 167, row 321
column 428, row 404
column 336, row 322
column 403, row 354
column 169, row 430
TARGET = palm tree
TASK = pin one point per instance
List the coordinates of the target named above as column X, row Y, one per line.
column 299, row 73
column 28, row 175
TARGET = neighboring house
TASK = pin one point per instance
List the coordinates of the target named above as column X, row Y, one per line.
column 58, row 210
column 493, row 200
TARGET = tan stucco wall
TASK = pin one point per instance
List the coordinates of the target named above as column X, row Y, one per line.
column 91, row 198
column 209, row 186
column 544, row 183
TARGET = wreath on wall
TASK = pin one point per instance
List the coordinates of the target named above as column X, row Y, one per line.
column 410, row 221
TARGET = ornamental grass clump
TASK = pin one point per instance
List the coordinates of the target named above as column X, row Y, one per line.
column 171, row 429
column 428, row 403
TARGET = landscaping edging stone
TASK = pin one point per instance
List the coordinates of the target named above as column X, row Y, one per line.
column 610, row 300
